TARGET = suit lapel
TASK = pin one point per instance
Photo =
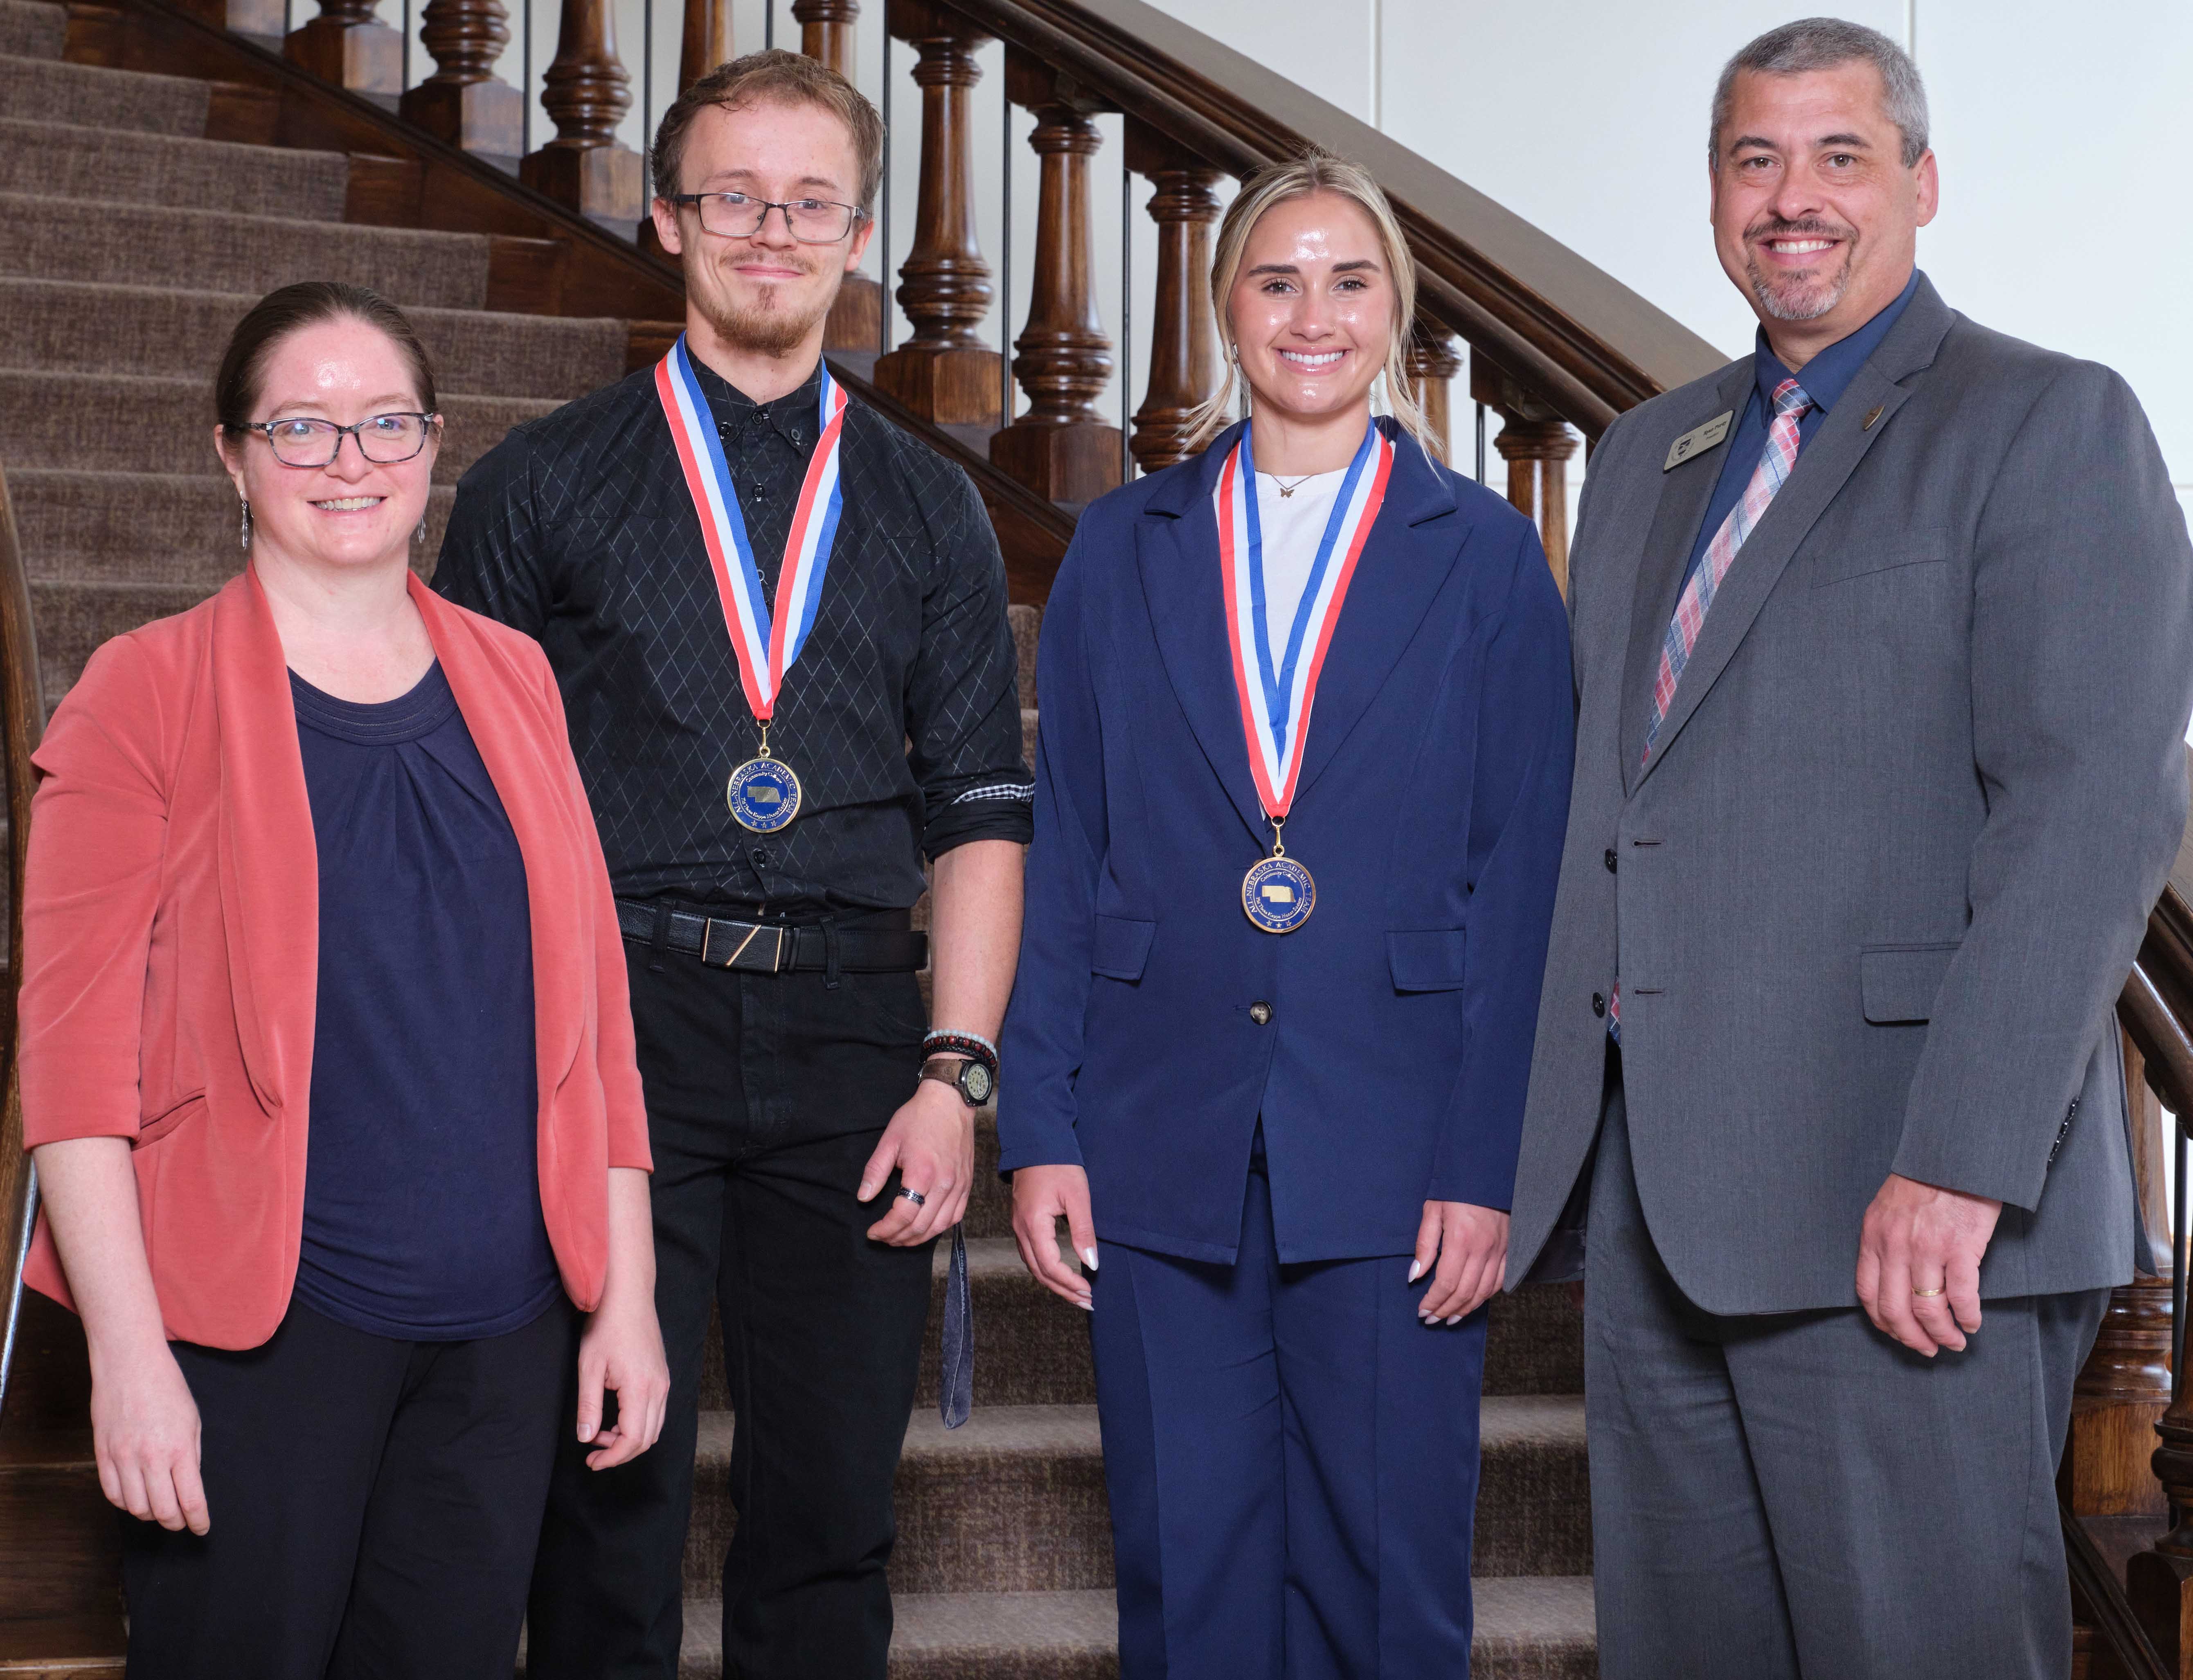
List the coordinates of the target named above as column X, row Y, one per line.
column 1403, row 568
column 1684, row 490
column 1176, row 547
column 265, row 853
column 1823, row 465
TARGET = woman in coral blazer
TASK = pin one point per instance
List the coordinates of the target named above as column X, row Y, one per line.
column 327, row 1065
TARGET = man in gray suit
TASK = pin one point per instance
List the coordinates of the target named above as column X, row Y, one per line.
column 1884, row 647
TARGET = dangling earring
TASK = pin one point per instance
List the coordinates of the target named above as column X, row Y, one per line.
column 419, row 535
column 243, row 529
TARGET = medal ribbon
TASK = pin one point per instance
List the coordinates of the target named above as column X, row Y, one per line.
column 1275, row 706
column 766, row 643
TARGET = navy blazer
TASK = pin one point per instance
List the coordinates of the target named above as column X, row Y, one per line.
column 1430, row 808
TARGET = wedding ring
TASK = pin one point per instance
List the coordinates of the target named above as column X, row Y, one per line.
column 918, row 1199
column 1927, row 1295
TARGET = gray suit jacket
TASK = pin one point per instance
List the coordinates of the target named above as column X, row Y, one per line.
column 1876, row 891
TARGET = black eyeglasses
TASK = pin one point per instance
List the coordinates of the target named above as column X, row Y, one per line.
column 734, row 215
column 384, row 439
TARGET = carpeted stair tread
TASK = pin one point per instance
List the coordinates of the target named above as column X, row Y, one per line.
column 88, row 327
column 63, row 160
column 127, row 424
column 32, row 29
column 96, row 97
column 61, row 239
column 1015, row 1499
column 1527, row 1628
column 1031, row 1348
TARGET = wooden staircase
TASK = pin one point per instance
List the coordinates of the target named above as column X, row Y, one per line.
column 161, row 165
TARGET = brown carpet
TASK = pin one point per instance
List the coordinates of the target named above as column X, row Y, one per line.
column 118, row 167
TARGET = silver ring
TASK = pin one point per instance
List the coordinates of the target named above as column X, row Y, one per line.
column 913, row 1196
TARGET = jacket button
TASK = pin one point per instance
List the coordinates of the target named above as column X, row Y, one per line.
column 1260, row 1012
column 1609, row 860
column 761, row 858
column 1598, row 1005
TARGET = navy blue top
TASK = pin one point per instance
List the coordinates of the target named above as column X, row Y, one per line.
column 422, row 1191
column 1826, row 378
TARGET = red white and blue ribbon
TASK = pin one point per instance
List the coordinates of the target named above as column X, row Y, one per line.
column 766, row 641
column 1278, row 687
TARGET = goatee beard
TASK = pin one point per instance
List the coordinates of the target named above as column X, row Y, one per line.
column 1799, row 297
column 769, row 329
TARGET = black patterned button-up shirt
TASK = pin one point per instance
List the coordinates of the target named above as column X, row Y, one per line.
column 900, row 717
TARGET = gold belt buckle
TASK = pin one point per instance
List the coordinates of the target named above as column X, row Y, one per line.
column 776, row 951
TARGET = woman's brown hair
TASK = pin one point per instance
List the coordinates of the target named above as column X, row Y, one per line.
column 237, row 386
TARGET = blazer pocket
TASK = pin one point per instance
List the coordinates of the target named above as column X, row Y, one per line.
column 152, row 1131
column 1843, row 567
column 1428, row 960
column 1897, row 983
column 1121, row 949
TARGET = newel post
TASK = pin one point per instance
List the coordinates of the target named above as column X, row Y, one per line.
column 347, row 44
column 943, row 372
column 464, row 102
column 1060, row 447
column 1183, row 336
column 705, row 42
column 587, row 92
column 1537, row 443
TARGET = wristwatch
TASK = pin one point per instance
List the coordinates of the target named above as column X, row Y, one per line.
column 971, row 1079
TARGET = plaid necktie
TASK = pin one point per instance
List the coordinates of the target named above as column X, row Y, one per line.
column 1791, row 405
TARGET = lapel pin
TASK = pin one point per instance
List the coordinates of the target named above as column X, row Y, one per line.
column 1872, row 414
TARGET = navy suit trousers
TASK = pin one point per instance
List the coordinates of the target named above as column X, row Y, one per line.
column 1292, row 1462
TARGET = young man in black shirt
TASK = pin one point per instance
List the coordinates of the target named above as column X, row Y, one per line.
column 779, row 627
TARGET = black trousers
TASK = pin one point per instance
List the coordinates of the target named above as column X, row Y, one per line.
column 374, row 1502
column 766, row 1096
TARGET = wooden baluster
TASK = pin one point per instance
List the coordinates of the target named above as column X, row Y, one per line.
column 2124, row 1388
column 1537, row 443
column 261, row 22
column 347, row 44
column 942, row 372
column 1060, row 447
column 1434, row 361
column 1183, row 337
column 826, row 31
column 707, row 42
column 587, row 92
column 826, row 35
column 464, row 102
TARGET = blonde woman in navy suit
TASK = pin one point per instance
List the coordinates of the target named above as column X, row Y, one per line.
column 1304, row 768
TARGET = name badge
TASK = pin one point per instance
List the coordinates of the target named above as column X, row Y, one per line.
column 1699, row 439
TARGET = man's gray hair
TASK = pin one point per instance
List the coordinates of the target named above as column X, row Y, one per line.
column 1821, row 44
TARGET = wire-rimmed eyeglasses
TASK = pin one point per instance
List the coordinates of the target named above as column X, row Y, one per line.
column 734, row 216
column 384, row 439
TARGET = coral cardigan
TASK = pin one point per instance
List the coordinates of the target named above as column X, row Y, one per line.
column 171, row 949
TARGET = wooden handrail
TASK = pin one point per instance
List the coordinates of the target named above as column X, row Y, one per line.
column 22, row 725
column 1565, row 329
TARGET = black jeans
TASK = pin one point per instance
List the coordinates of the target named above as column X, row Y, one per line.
column 374, row 1505
column 765, row 1095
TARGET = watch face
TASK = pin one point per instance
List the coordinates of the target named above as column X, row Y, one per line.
column 975, row 1079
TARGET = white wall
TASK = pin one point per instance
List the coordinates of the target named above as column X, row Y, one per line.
column 2064, row 216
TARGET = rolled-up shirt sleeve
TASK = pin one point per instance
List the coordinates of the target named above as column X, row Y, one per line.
column 963, row 697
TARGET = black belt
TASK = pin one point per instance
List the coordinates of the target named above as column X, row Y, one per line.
column 775, row 947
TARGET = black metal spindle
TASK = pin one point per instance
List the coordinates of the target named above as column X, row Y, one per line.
column 883, row 226
column 769, row 23
column 407, row 43
column 1126, row 306
column 646, row 100
column 1480, row 442
column 2181, row 1253
column 525, row 81
column 1005, row 269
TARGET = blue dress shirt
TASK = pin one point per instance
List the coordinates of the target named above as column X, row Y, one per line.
column 1826, row 378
